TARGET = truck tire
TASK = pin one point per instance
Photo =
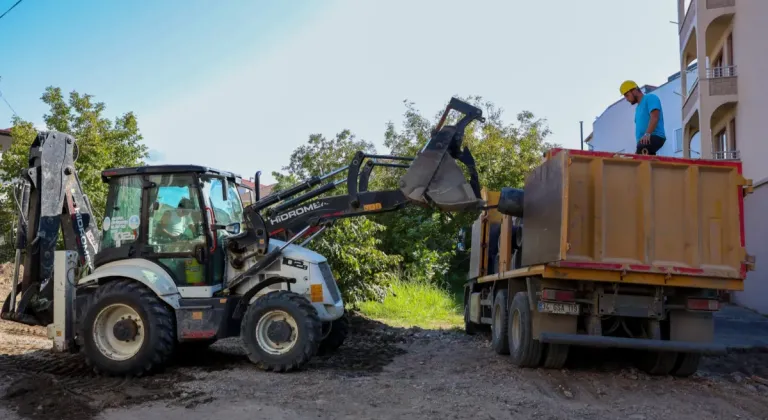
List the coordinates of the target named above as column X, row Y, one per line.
column 336, row 337
column 555, row 356
column 281, row 331
column 500, row 325
column 657, row 363
column 523, row 349
column 126, row 330
column 469, row 327
column 686, row 364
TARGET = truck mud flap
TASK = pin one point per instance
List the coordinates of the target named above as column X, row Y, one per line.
column 633, row 343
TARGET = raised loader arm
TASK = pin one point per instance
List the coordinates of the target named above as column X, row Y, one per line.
column 433, row 179
column 49, row 198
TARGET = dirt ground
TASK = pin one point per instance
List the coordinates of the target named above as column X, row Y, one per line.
column 380, row 373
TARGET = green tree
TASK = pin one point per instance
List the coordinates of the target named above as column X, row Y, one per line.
column 504, row 154
column 351, row 245
column 102, row 143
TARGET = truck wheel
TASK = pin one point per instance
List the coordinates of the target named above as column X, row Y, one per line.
column 469, row 327
column 500, row 326
column 555, row 356
column 657, row 363
column 126, row 329
column 524, row 350
column 686, row 364
column 281, row 331
column 336, row 337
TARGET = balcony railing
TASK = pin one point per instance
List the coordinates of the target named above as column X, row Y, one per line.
column 726, row 155
column 690, row 17
column 690, row 100
column 718, row 72
column 717, row 4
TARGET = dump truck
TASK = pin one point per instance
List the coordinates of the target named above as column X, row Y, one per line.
column 609, row 250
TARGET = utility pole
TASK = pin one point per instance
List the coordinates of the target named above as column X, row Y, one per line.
column 581, row 126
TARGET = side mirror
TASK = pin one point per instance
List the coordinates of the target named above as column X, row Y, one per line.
column 155, row 206
column 232, row 228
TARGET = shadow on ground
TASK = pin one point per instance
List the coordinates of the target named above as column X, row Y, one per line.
column 42, row 382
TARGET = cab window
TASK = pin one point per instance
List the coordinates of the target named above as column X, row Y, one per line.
column 226, row 211
column 121, row 219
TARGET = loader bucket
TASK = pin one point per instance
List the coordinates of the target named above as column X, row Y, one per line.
column 435, row 178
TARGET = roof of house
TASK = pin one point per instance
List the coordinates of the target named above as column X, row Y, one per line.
column 5, row 131
column 264, row 190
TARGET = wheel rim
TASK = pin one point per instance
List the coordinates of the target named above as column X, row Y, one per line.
column 118, row 332
column 516, row 330
column 266, row 332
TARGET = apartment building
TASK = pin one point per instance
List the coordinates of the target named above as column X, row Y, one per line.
column 614, row 129
column 727, row 105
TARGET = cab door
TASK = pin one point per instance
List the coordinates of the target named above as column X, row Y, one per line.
column 220, row 211
column 175, row 229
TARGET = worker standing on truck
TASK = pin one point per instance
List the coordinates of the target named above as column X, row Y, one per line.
column 649, row 118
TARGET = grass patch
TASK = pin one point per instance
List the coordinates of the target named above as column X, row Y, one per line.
column 417, row 304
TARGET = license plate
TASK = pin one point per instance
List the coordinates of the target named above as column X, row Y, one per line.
column 559, row 308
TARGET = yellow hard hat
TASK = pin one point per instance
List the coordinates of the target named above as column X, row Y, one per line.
column 627, row 86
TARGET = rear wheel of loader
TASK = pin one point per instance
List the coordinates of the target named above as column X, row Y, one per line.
column 281, row 331
column 335, row 338
column 126, row 329
column 500, row 326
column 523, row 349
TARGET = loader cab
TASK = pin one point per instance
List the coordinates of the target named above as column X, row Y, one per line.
column 178, row 216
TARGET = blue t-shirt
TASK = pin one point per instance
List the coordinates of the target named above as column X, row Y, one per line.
column 643, row 116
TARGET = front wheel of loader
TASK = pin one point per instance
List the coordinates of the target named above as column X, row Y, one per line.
column 335, row 338
column 281, row 331
column 126, row 330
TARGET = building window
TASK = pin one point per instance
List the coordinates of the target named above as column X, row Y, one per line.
column 678, row 140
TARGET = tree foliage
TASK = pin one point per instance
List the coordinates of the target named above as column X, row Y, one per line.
column 102, row 143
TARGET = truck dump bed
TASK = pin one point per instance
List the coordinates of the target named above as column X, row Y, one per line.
column 634, row 213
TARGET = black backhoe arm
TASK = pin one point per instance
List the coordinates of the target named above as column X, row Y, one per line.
column 49, row 198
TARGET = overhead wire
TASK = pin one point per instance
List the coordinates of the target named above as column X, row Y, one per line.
column 11, row 8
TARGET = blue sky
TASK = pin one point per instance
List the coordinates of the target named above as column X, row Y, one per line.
column 240, row 84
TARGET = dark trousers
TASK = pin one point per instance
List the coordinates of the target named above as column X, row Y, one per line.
column 652, row 147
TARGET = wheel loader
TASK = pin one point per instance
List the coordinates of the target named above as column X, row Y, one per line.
column 179, row 262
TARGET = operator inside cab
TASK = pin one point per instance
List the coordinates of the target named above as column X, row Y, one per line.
column 175, row 223
column 649, row 118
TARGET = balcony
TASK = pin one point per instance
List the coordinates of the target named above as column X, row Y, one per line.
column 690, row 17
column 717, row 4
column 726, row 155
column 722, row 81
column 690, row 100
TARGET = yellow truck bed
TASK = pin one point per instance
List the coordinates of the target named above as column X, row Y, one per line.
column 635, row 219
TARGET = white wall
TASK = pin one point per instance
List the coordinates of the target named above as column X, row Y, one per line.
column 614, row 129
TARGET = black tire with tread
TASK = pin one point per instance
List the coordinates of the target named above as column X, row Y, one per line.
column 555, row 356
column 469, row 327
column 335, row 338
column 657, row 363
column 686, row 364
column 307, row 320
column 158, row 320
column 529, row 354
column 500, row 339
